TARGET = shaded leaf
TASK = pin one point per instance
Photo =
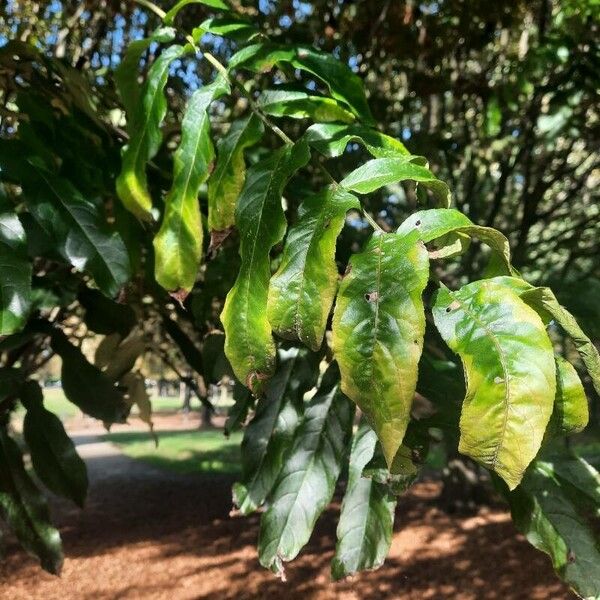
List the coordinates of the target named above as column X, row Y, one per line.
column 510, row 373
column 174, row 11
column 24, row 508
column 307, row 481
column 178, row 243
column 249, row 343
column 364, row 531
column 571, row 411
column 243, row 402
column 190, row 351
column 53, row 454
column 378, row 329
column 227, row 180
column 302, row 290
column 124, row 356
column 105, row 316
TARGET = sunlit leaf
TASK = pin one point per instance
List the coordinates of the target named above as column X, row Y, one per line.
column 298, row 104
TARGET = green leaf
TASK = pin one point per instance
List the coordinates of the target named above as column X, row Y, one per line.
column 307, row 481
column 365, row 528
column 24, row 508
column 269, row 435
column 86, row 386
column 53, row 454
column 379, row 172
column 145, row 137
column 510, row 373
column 178, row 243
column 235, row 28
column 238, row 413
column 302, row 290
column 546, row 513
column 438, row 223
column 331, row 139
column 298, row 104
column 227, row 180
column 571, row 411
column 216, row 365
column 378, row 329
column 126, row 74
column 15, row 272
column 79, row 230
column 105, row 316
column 173, row 12
column 249, row 344
column 190, row 351
column 343, row 84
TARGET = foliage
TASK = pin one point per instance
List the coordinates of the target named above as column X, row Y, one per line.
column 102, row 222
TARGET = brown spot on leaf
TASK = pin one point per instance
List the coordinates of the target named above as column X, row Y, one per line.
column 217, row 238
column 372, row 296
column 179, row 295
column 571, row 556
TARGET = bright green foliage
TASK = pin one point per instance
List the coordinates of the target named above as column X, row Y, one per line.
column 302, row 290
column 571, row 411
column 174, row 11
column 145, row 137
column 270, row 432
column 79, row 230
column 545, row 509
column 15, row 282
column 230, row 27
column 331, row 139
column 364, row 531
column 24, row 508
column 178, row 243
column 510, row 373
column 380, row 172
column 53, row 454
column 440, row 223
column 227, row 180
column 343, row 84
column 298, row 104
column 249, row 344
column 307, row 480
column 378, row 329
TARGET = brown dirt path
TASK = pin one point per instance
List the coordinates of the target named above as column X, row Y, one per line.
column 151, row 534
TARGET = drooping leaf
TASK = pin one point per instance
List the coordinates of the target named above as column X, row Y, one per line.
column 86, row 386
column 105, row 316
column 78, row 229
column 53, row 454
column 549, row 516
column 145, row 136
column 379, row 172
column 190, row 351
column 126, row 74
column 343, row 84
column 227, row 180
column 216, row 365
column 243, row 402
column 298, row 104
column 302, row 290
column 364, row 531
column 106, row 349
column 15, row 272
column 331, row 140
column 249, row 343
column 235, row 28
column 138, row 396
column 571, row 411
column 178, row 243
column 125, row 356
column 438, row 223
column 24, row 508
column 269, row 435
column 378, row 329
column 307, row 481
column 174, row 11
column 510, row 373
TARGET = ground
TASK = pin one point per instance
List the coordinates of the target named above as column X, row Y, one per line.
column 149, row 532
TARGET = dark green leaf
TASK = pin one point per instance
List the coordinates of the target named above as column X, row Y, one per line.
column 103, row 315
column 249, row 343
column 302, row 290
column 307, row 481
column 510, row 373
column 178, row 243
column 190, row 352
column 343, row 84
column 53, row 454
column 269, row 435
column 238, row 413
column 364, row 531
column 235, row 28
column 86, row 386
column 378, row 329
column 24, row 508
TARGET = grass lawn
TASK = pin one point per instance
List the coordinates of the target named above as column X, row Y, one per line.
column 202, row 451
